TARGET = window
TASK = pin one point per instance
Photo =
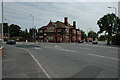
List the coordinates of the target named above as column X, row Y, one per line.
column 50, row 28
column 51, row 38
column 67, row 30
column 41, row 31
column 74, row 31
column 59, row 30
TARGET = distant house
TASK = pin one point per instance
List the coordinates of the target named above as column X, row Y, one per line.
column 59, row 32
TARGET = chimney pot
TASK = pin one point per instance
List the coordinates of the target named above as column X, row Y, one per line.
column 65, row 20
column 74, row 24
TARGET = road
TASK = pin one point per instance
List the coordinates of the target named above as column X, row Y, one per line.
column 60, row 60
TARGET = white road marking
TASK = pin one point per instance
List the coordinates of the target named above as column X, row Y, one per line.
column 78, row 53
column 60, row 48
column 98, row 46
column 116, row 52
column 38, row 48
column 38, row 63
column 68, row 50
column 103, row 56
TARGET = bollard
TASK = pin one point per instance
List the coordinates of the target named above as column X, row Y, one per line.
column 1, row 51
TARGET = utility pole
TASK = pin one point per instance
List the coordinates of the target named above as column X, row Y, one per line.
column 32, row 26
column 2, row 24
column 114, row 9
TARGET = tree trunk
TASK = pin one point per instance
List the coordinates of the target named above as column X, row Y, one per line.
column 108, row 41
column 109, row 38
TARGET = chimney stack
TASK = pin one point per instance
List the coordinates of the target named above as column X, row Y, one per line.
column 66, row 21
column 74, row 24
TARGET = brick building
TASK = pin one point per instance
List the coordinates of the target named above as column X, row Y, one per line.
column 59, row 32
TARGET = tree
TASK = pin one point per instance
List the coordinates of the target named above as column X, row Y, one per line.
column 5, row 27
column 26, row 31
column 32, row 31
column 14, row 30
column 83, row 35
column 103, row 37
column 92, row 34
column 108, row 23
column 116, row 39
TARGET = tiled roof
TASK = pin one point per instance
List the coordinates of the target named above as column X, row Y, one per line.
column 59, row 24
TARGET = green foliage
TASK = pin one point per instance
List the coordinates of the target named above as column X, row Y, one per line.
column 14, row 30
column 5, row 27
column 116, row 39
column 83, row 35
column 32, row 32
column 25, row 34
column 103, row 38
column 92, row 34
column 109, row 23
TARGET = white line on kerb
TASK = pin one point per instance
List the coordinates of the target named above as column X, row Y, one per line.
column 103, row 56
column 38, row 63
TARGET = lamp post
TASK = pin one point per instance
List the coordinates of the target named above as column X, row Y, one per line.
column 114, row 9
column 32, row 26
column 2, row 25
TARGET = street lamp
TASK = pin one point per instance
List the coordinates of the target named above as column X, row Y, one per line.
column 32, row 25
column 2, row 25
column 115, row 9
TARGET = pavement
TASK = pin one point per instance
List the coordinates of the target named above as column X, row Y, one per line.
column 1, row 53
column 17, row 63
column 60, row 60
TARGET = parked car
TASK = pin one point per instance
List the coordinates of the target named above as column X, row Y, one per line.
column 90, row 40
column 95, row 42
column 11, row 42
column 80, row 41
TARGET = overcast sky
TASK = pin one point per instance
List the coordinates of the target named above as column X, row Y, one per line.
column 85, row 14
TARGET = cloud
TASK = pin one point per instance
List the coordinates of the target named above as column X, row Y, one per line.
column 61, row 0
column 85, row 14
